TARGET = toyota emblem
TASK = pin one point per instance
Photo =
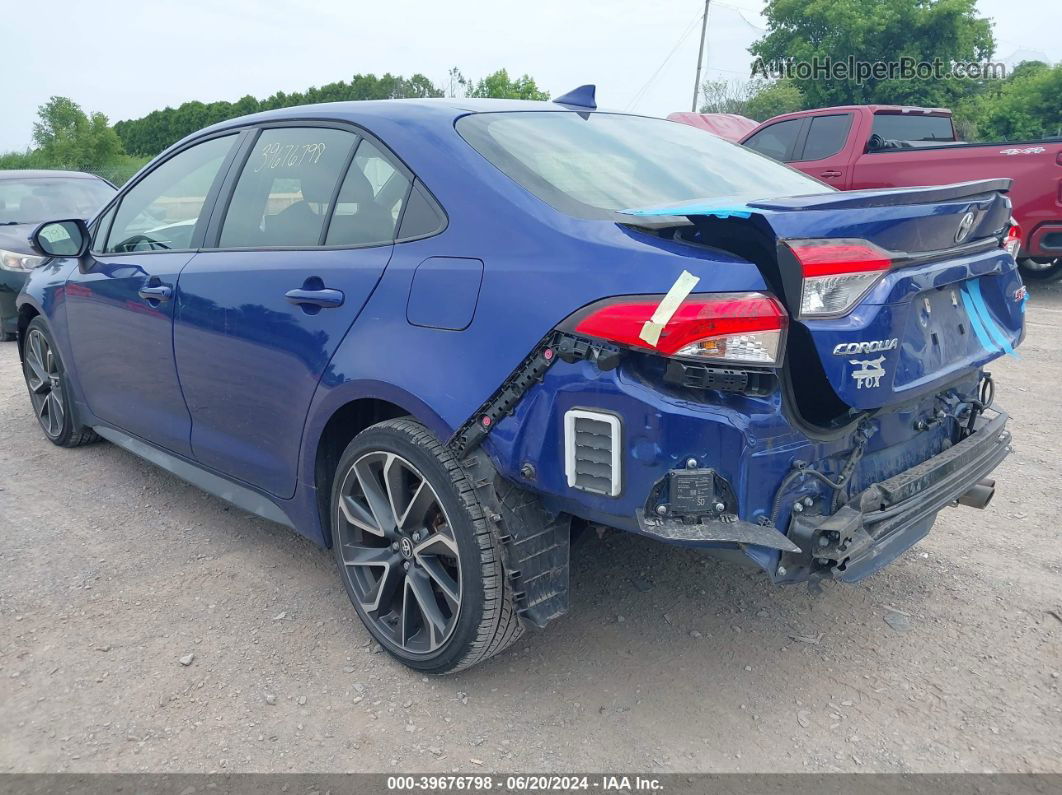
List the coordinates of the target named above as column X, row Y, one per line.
column 965, row 226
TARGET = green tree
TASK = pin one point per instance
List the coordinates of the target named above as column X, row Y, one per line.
column 1025, row 106
column 775, row 98
column 498, row 85
column 151, row 134
column 877, row 30
column 66, row 137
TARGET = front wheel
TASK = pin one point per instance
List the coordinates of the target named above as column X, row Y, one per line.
column 1041, row 270
column 49, row 390
column 416, row 554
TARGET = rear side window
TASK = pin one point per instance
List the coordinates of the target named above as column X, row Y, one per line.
column 284, row 194
column 161, row 211
column 777, row 140
column 370, row 201
column 912, row 127
column 826, row 136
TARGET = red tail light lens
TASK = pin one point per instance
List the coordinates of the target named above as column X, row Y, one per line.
column 1012, row 240
column 734, row 328
column 837, row 274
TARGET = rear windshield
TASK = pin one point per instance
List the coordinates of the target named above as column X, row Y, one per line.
column 908, row 127
column 590, row 165
column 35, row 199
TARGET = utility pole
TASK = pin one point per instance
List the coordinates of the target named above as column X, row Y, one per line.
column 700, row 57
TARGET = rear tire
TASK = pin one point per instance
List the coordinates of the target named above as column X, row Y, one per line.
column 1041, row 272
column 416, row 553
column 49, row 389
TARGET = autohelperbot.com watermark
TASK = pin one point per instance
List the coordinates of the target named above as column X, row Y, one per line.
column 851, row 68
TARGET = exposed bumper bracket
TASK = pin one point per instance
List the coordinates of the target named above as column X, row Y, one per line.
column 727, row 528
column 885, row 519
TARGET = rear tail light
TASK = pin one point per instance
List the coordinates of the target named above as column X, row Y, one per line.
column 1012, row 240
column 732, row 328
column 837, row 273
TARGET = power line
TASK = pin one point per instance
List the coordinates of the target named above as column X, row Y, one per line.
column 641, row 92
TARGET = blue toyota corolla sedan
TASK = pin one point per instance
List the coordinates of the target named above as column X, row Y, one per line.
column 438, row 336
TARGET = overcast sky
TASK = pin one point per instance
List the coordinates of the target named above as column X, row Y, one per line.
column 129, row 57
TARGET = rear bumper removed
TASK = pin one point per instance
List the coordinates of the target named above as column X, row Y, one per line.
column 887, row 518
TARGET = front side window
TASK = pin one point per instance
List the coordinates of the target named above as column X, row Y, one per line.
column 591, row 165
column 285, row 192
column 161, row 211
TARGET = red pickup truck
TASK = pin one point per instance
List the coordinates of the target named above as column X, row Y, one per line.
column 882, row 146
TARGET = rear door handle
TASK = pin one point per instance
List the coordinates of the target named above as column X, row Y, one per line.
column 324, row 298
column 830, row 173
column 156, row 292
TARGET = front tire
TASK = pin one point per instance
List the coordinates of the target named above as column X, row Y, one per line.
column 416, row 553
column 1041, row 271
column 49, row 389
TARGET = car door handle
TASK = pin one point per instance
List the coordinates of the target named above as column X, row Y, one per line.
column 323, row 298
column 830, row 173
column 156, row 292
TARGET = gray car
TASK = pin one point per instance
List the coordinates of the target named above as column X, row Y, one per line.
column 26, row 199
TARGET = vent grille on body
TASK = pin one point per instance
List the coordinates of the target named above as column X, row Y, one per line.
column 592, row 451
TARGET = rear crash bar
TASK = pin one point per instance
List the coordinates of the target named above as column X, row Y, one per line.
column 888, row 517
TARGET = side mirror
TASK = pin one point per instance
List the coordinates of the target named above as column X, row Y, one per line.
column 61, row 238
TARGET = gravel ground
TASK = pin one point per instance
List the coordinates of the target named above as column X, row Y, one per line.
column 145, row 626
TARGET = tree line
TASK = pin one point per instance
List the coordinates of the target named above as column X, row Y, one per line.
column 67, row 137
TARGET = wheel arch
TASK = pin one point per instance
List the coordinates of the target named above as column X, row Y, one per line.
column 26, row 313
column 349, row 413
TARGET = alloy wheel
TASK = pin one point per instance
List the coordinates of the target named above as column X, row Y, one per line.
column 44, row 378
column 399, row 552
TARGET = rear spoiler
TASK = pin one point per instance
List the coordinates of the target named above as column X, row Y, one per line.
column 887, row 197
column 657, row 217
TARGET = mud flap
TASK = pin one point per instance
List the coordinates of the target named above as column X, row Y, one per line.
column 535, row 543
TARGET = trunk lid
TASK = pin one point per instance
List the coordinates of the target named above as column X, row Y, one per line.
column 947, row 298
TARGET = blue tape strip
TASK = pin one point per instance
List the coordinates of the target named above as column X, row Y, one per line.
column 739, row 211
column 997, row 334
column 975, row 321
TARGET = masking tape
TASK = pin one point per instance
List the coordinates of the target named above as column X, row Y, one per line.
column 667, row 307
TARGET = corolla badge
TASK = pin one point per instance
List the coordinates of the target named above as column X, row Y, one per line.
column 965, row 227
column 870, row 346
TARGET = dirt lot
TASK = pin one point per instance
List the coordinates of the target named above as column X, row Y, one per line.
column 111, row 571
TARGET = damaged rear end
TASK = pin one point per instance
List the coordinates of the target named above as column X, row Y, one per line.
column 895, row 300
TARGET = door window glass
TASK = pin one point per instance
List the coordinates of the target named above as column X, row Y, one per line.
column 370, row 201
column 285, row 191
column 161, row 211
column 826, row 136
column 777, row 140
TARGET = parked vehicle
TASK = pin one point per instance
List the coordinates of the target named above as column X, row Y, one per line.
column 26, row 199
column 439, row 334
column 728, row 126
column 881, row 146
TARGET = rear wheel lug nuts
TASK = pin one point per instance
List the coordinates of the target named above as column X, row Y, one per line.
column 394, row 547
column 406, row 565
